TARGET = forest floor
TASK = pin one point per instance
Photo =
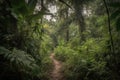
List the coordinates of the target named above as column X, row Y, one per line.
column 56, row 73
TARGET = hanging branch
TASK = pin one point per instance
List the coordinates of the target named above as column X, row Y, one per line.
column 62, row 1
column 109, row 26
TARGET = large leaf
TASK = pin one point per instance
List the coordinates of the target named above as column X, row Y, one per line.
column 115, row 14
column 32, row 5
column 19, row 7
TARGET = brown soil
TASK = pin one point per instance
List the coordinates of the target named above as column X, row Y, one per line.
column 56, row 73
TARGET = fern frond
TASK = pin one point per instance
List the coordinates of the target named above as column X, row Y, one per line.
column 21, row 59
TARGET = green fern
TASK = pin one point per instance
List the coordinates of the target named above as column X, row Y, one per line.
column 115, row 16
column 21, row 59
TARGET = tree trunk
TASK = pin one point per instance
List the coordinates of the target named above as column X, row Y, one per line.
column 81, row 20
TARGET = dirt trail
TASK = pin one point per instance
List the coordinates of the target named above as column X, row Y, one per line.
column 56, row 72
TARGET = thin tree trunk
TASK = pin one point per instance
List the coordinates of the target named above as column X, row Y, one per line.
column 81, row 21
column 109, row 27
column 67, row 30
column 67, row 35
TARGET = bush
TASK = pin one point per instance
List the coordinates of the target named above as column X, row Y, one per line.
column 85, row 62
column 63, row 53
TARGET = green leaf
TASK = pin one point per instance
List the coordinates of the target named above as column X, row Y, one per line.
column 115, row 14
column 32, row 5
column 19, row 7
column 4, row 51
column 20, row 58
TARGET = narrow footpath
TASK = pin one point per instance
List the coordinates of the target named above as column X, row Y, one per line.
column 56, row 73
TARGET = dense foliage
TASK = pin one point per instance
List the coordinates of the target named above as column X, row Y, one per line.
column 83, row 34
